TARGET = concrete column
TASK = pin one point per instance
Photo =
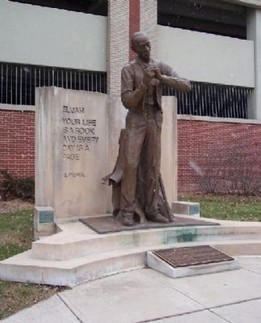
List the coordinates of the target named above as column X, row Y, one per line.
column 148, row 21
column 254, row 33
column 118, row 43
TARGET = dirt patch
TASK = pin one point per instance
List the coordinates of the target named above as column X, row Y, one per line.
column 15, row 205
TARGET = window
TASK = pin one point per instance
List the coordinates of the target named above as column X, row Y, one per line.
column 209, row 16
column 96, row 7
column 213, row 100
column 18, row 82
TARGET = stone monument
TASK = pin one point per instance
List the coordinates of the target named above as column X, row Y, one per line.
column 138, row 189
column 77, row 143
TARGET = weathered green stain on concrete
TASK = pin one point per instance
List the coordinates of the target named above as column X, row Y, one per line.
column 182, row 235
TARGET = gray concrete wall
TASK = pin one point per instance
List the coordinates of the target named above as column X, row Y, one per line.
column 53, row 37
column 254, row 33
column 207, row 58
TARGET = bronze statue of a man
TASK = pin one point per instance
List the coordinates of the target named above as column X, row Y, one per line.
column 141, row 91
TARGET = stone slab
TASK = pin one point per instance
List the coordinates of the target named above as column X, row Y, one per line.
column 196, row 317
column 50, row 310
column 108, row 224
column 128, row 297
column 252, row 263
column 158, row 264
column 247, row 311
column 217, row 289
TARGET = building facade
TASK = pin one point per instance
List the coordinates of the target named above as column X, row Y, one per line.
column 215, row 44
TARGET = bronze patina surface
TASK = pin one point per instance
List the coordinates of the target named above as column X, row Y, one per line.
column 191, row 256
column 138, row 190
column 108, row 224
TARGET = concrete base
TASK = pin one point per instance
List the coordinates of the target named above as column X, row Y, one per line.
column 186, row 208
column 77, row 254
column 158, row 264
column 43, row 221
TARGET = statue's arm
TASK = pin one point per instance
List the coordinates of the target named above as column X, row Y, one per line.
column 172, row 79
column 130, row 98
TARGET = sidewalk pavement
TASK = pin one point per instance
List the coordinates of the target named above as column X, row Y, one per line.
column 147, row 296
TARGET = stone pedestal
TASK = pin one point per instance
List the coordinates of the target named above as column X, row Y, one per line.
column 77, row 136
column 71, row 152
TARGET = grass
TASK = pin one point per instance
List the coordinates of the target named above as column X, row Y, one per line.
column 16, row 232
column 227, row 207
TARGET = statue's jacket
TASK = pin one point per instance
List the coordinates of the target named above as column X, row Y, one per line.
column 133, row 90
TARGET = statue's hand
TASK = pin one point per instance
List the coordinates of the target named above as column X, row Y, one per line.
column 149, row 74
column 157, row 73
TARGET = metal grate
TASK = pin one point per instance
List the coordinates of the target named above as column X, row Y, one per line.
column 18, row 82
column 213, row 100
column 191, row 256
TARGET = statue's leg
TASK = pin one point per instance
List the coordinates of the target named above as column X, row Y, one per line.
column 152, row 162
column 135, row 134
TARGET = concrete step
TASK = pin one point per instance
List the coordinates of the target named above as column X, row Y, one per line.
column 77, row 240
column 25, row 268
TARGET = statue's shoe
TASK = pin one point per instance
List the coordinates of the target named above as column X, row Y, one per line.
column 157, row 217
column 125, row 219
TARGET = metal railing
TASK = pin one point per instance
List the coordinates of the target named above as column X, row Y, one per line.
column 213, row 100
column 18, row 82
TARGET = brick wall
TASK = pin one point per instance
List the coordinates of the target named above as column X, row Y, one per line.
column 223, row 154
column 17, row 142
column 205, row 148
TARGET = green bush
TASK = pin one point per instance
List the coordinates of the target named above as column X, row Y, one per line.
column 13, row 187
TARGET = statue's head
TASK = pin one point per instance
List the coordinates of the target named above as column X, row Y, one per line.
column 140, row 44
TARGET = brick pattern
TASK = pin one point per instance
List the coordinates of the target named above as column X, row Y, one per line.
column 199, row 144
column 134, row 22
column 17, row 142
column 216, row 149
column 118, row 43
column 148, row 21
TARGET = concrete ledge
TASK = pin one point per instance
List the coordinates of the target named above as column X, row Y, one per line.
column 158, row 264
column 77, row 240
column 24, row 268
column 77, row 254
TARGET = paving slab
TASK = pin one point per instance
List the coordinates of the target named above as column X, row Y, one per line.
column 197, row 317
column 50, row 310
column 128, row 297
column 243, row 312
column 215, row 289
column 145, row 295
column 251, row 263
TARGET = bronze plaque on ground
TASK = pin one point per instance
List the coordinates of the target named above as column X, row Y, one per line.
column 191, row 256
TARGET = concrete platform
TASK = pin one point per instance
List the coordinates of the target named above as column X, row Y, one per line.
column 77, row 254
column 148, row 296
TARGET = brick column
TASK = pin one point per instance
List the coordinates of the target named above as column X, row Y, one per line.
column 118, row 43
column 124, row 18
column 148, row 21
column 134, row 22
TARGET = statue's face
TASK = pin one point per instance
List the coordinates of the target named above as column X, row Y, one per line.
column 142, row 48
